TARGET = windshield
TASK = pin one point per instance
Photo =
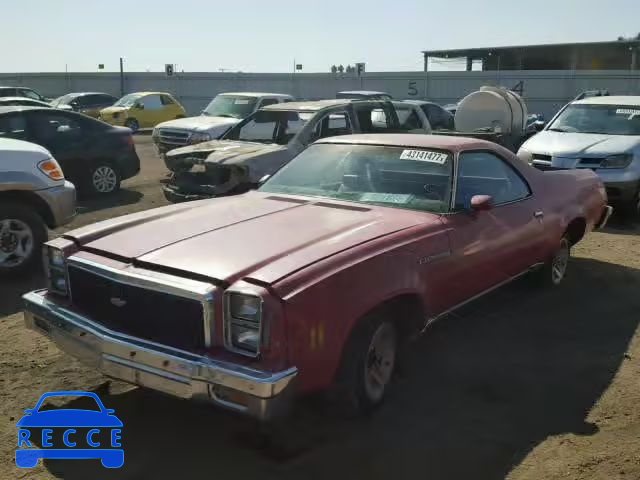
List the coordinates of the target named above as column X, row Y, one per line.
column 604, row 119
column 230, row 106
column 63, row 100
column 266, row 126
column 415, row 179
column 127, row 100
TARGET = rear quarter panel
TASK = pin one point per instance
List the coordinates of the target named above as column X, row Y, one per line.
column 324, row 302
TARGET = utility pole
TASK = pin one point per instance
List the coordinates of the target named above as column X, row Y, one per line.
column 121, row 77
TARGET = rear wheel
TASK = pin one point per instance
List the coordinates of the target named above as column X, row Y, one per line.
column 555, row 268
column 22, row 233
column 132, row 124
column 103, row 179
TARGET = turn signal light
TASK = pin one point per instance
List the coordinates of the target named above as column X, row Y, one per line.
column 51, row 169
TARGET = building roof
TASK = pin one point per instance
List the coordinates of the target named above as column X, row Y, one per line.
column 443, row 142
column 630, row 100
column 480, row 51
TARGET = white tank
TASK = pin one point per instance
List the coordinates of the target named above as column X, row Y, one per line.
column 491, row 108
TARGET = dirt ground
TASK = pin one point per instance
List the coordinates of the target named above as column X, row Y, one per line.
column 525, row 384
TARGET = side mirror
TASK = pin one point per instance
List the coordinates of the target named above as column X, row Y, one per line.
column 481, row 203
column 139, row 106
column 263, row 179
column 538, row 125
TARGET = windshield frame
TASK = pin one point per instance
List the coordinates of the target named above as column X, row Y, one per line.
column 251, row 104
column 447, row 204
column 134, row 96
column 554, row 127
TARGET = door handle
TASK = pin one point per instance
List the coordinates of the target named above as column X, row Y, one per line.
column 538, row 214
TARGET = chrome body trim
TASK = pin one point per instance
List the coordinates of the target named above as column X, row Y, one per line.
column 608, row 210
column 156, row 281
column 148, row 364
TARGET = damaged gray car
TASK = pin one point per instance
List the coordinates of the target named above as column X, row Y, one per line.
column 265, row 141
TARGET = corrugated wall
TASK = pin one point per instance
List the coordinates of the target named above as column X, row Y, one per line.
column 544, row 91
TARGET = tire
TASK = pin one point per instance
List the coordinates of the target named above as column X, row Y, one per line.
column 367, row 368
column 103, row 179
column 554, row 270
column 132, row 124
column 631, row 209
column 22, row 233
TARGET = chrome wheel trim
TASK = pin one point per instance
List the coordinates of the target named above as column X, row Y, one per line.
column 16, row 242
column 560, row 262
column 104, row 179
column 379, row 361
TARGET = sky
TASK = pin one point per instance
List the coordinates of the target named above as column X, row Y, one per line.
column 266, row 36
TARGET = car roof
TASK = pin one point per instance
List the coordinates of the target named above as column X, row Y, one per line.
column 147, row 93
column 80, row 94
column 12, row 99
column 363, row 92
column 257, row 94
column 443, row 142
column 15, row 86
column 22, row 108
column 631, row 100
column 315, row 105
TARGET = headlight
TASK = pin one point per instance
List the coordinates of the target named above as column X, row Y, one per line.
column 525, row 155
column 243, row 322
column 617, row 161
column 56, row 267
column 51, row 169
column 116, row 115
column 199, row 137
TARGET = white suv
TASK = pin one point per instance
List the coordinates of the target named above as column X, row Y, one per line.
column 224, row 111
column 33, row 195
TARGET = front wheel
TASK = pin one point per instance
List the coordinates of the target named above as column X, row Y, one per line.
column 132, row 124
column 22, row 233
column 368, row 365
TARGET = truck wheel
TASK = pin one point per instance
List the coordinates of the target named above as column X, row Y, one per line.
column 132, row 124
column 22, row 233
column 368, row 365
column 103, row 179
column 555, row 268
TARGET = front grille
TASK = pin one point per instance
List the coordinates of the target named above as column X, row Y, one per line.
column 590, row 162
column 542, row 158
column 173, row 137
column 161, row 317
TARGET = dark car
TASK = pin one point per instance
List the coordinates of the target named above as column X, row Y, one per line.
column 439, row 118
column 22, row 92
column 93, row 155
column 89, row 103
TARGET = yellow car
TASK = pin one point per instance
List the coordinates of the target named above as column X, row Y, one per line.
column 142, row 110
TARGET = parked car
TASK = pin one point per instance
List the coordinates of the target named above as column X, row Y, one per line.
column 268, row 139
column 93, row 155
column 439, row 118
column 363, row 95
column 598, row 92
column 319, row 276
column 89, row 103
column 22, row 92
column 597, row 133
column 33, row 196
column 142, row 110
column 224, row 111
column 452, row 108
column 22, row 102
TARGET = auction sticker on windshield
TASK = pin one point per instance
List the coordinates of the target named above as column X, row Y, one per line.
column 628, row 111
column 424, row 156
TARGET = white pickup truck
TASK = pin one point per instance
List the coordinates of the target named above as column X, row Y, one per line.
column 224, row 111
column 33, row 196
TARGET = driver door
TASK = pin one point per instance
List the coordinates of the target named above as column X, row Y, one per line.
column 491, row 247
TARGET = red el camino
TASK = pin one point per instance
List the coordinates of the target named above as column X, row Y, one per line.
column 312, row 281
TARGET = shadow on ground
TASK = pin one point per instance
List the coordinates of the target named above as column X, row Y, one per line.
column 117, row 199
column 12, row 289
column 484, row 387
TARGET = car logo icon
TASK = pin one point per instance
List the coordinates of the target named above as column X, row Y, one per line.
column 117, row 302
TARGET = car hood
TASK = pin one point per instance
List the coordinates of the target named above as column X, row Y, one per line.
column 559, row 144
column 202, row 123
column 28, row 149
column 112, row 110
column 223, row 151
column 69, row 418
column 257, row 235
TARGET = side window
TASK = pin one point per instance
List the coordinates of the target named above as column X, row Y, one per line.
column 408, row 119
column 166, row 100
column 267, row 101
column 373, row 118
column 107, row 100
column 483, row 173
column 25, row 92
column 332, row 125
column 151, row 102
column 50, row 125
column 13, row 126
column 85, row 101
column 434, row 115
column 8, row 92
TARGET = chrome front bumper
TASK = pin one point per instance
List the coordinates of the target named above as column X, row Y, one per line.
column 256, row 393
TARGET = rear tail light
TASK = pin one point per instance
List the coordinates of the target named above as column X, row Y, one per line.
column 51, row 169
